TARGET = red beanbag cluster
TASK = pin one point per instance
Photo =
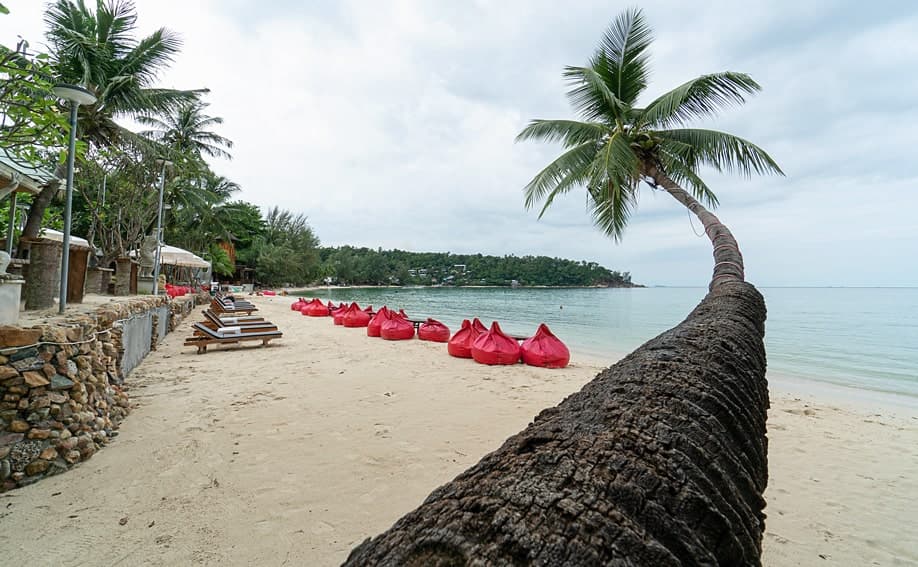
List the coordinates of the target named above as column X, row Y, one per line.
column 472, row 340
column 460, row 344
column 376, row 322
column 433, row 330
column 396, row 328
column 314, row 308
column 355, row 317
column 174, row 291
column 338, row 314
column 494, row 347
column 545, row 349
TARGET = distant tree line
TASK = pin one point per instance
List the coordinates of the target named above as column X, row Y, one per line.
column 366, row 266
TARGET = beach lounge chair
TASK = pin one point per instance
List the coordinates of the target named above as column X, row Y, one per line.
column 236, row 318
column 205, row 336
column 212, row 321
column 220, row 307
column 234, row 300
column 230, row 300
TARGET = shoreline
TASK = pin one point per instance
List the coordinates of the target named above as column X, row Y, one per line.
column 298, row 290
column 299, row 451
column 780, row 381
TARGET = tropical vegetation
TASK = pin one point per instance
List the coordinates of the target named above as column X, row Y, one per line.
column 366, row 266
column 120, row 172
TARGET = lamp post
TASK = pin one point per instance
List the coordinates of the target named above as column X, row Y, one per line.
column 159, row 224
column 76, row 95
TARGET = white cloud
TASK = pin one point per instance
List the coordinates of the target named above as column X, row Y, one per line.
column 392, row 123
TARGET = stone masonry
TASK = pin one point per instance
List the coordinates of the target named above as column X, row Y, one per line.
column 62, row 391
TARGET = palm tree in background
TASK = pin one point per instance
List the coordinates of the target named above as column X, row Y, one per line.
column 186, row 129
column 100, row 51
column 199, row 208
column 618, row 144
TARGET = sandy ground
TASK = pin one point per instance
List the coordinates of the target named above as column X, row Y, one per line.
column 292, row 454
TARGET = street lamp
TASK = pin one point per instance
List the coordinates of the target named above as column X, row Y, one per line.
column 159, row 223
column 76, row 95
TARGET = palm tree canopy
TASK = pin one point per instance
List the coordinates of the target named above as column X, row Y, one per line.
column 187, row 129
column 617, row 144
column 98, row 50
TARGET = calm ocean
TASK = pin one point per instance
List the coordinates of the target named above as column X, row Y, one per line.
column 862, row 338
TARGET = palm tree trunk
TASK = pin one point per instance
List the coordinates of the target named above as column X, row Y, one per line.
column 37, row 213
column 660, row 460
column 728, row 260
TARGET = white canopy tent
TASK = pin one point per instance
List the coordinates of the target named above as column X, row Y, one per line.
column 183, row 266
column 58, row 236
column 174, row 256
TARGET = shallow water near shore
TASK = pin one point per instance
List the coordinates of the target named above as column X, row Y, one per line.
column 854, row 338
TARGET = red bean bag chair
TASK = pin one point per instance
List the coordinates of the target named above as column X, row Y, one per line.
column 315, row 308
column 375, row 324
column 396, row 329
column 355, row 317
column 477, row 325
column 545, row 349
column 460, row 345
column 298, row 304
column 433, row 330
column 401, row 313
column 494, row 347
column 338, row 314
column 270, row 293
column 331, row 306
column 368, row 309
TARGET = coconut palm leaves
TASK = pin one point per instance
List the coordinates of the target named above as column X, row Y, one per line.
column 617, row 144
column 99, row 50
column 186, row 129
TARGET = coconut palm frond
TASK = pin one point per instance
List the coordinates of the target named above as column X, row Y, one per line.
column 699, row 98
column 722, row 151
column 570, row 132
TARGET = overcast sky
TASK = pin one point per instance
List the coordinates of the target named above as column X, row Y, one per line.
column 392, row 124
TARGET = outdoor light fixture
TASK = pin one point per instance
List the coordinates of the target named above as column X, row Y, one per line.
column 76, row 95
column 159, row 223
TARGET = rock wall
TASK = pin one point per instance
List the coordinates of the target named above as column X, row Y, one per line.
column 62, row 391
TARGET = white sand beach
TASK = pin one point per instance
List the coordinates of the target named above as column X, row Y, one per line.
column 292, row 454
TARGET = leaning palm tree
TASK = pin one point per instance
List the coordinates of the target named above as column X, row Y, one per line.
column 186, row 129
column 617, row 144
column 662, row 458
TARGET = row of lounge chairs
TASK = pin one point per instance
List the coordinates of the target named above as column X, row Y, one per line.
column 230, row 321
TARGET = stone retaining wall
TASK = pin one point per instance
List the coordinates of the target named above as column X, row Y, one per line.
column 61, row 385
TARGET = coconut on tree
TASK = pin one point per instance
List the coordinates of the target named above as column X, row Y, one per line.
column 661, row 459
column 617, row 144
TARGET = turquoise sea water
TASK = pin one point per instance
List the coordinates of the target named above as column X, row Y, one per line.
column 863, row 338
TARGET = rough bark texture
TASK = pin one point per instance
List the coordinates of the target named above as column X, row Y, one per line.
column 37, row 212
column 123, row 277
column 43, row 274
column 660, row 460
